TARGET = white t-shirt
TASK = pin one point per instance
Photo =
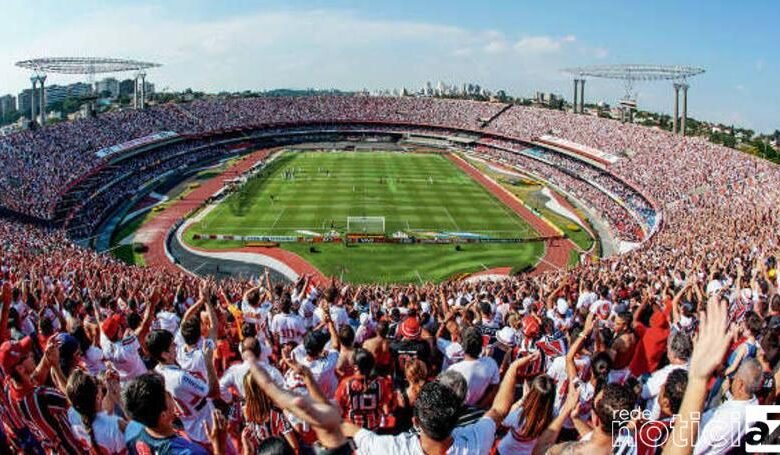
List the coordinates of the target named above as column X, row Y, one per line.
column 192, row 359
column 652, row 387
column 509, row 444
column 124, row 355
column 26, row 317
column 105, row 427
column 235, row 374
column 167, row 320
column 288, row 328
column 557, row 371
column 479, row 374
column 191, row 396
column 451, row 350
column 306, row 312
column 474, row 439
column 724, row 427
column 93, row 359
column 586, row 299
column 323, row 369
column 337, row 313
column 257, row 315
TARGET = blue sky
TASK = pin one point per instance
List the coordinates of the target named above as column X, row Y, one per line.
column 516, row 45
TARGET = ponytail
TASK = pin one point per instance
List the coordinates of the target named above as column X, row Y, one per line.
column 257, row 406
column 82, row 392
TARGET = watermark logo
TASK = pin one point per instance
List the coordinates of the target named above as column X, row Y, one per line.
column 638, row 429
column 763, row 435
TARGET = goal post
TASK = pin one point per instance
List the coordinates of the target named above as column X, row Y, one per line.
column 366, row 224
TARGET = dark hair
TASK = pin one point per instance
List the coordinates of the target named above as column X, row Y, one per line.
column 253, row 298
column 436, row 410
column 471, row 340
column 627, row 317
column 774, row 303
column 145, row 399
column 485, row 308
column 346, row 335
column 680, row 344
column 331, row 294
column 314, row 342
column 81, row 335
column 190, row 329
column 157, row 342
column 46, row 327
column 364, row 361
column 616, row 399
column 753, row 323
column 133, row 320
column 286, row 304
column 274, row 445
column 601, row 364
column 252, row 345
column 537, row 407
column 674, row 388
column 248, row 330
column 382, row 329
column 82, row 391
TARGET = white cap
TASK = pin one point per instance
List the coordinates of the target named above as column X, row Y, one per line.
column 562, row 306
column 506, row 335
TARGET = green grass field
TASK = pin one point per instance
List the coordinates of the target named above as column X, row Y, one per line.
column 411, row 191
column 414, row 192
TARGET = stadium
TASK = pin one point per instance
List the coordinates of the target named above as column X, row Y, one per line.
column 354, row 273
column 424, row 172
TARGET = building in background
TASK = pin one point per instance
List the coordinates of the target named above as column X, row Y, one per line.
column 7, row 106
column 108, row 86
column 24, row 101
column 126, row 87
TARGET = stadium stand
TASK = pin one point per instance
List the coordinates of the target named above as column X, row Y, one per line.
column 602, row 337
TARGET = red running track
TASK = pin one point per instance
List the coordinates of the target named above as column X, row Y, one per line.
column 556, row 248
column 556, row 255
column 155, row 231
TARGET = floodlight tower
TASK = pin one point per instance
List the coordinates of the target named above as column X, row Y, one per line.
column 88, row 66
column 631, row 74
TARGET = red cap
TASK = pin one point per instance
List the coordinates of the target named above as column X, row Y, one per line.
column 13, row 352
column 530, row 326
column 410, row 329
column 112, row 325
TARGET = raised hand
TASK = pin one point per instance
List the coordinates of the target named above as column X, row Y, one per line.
column 217, row 434
column 712, row 341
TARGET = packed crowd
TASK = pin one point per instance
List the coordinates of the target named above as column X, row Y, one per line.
column 121, row 184
column 101, row 357
column 618, row 356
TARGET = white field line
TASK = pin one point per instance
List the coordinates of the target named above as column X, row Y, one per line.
column 455, row 223
column 278, row 217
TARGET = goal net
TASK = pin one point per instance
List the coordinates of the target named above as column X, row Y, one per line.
column 366, row 224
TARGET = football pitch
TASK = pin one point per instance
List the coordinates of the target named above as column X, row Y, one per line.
column 302, row 193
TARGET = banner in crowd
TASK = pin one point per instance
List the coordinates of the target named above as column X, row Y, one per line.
column 135, row 143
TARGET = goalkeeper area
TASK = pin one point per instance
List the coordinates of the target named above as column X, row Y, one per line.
column 422, row 195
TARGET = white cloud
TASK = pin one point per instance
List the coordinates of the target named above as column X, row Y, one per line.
column 537, row 44
column 315, row 48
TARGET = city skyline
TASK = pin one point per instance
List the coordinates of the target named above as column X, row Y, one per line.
column 516, row 46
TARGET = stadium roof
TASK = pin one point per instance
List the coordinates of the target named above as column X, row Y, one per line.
column 634, row 72
column 84, row 65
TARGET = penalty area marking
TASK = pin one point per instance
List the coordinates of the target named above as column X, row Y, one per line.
column 278, row 217
column 455, row 223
